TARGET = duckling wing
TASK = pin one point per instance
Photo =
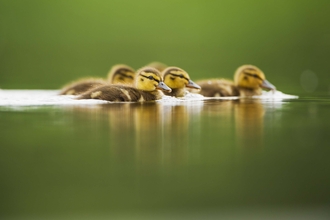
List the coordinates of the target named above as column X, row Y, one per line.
column 114, row 93
column 218, row 87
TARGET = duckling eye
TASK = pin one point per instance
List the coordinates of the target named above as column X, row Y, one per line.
column 150, row 77
column 181, row 76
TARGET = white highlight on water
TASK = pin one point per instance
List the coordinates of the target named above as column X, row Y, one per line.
column 51, row 97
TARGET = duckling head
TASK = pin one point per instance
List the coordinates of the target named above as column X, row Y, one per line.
column 149, row 79
column 177, row 78
column 157, row 65
column 251, row 77
column 121, row 74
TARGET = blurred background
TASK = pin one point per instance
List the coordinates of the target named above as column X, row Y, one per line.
column 45, row 44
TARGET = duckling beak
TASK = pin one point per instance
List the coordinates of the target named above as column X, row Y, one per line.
column 267, row 85
column 164, row 87
column 193, row 85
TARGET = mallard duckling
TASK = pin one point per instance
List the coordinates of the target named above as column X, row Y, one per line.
column 121, row 74
column 148, row 82
column 249, row 80
column 157, row 65
column 118, row 74
column 178, row 80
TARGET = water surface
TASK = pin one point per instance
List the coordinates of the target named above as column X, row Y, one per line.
column 198, row 158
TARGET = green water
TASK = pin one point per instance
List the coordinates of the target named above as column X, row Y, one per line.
column 156, row 158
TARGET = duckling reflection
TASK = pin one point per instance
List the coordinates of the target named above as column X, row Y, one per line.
column 148, row 133
column 115, row 123
column 121, row 129
column 249, row 121
column 152, row 135
column 176, row 134
column 164, row 131
column 162, row 134
column 244, row 117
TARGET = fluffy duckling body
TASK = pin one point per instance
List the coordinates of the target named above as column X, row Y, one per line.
column 82, row 85
column 178, row 80
column 148, row 82
column 248, row 81
column 118, row 74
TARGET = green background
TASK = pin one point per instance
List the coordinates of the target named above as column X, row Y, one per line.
column 45, row 44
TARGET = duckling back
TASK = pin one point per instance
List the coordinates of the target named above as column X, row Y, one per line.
column 157, row 65
column 119, row 93
column 118, row 74
column 81, row 86
column 217, row 88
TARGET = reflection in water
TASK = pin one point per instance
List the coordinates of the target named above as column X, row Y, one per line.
column 120, row 118
column 162, row 133
column 175, row 151
column 164, row 156
column 246, row 114
column 155, row 134
column 148, row 134
column 249, row 120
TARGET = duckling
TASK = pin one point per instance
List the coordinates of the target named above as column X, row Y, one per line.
column 118, row 74
column 177, row 79
column 157, row 65
column 148, row 82
column 248, row 81
column 121, row 74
